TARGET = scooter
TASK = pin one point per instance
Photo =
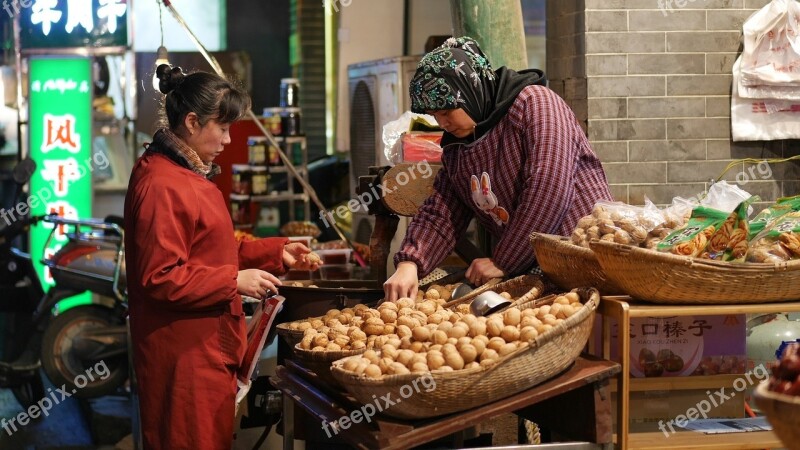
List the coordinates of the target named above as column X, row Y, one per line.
column 20, row 293
column 87, row 338
column 70, row 345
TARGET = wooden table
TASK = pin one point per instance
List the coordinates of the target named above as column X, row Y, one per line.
column 576, row 404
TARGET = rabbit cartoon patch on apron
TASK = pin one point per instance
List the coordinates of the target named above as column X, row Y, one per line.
column 485, row 199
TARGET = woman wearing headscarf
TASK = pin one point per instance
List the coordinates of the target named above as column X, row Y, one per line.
column 514, row 157
column 186, row 272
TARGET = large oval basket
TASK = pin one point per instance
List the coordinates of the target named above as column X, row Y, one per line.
column 666, row 278
column 783, row 413
column 570, row 266
column 440, row 393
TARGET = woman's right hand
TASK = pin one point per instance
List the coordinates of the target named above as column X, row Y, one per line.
column 256, row 283
column 403, row 283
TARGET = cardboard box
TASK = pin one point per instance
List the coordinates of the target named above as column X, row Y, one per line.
column 683, row 345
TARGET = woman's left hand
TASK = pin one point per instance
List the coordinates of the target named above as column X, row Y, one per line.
column 482, row 270
column 294, row 257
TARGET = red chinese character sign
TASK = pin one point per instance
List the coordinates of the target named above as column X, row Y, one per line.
column 60, row 143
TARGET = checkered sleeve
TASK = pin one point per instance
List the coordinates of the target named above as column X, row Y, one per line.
column 549, row 137
column 435, row 228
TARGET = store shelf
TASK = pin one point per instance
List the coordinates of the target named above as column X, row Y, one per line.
column 678, row 383
column 642, row 309
column 279, row 197
column 694, row 440
column 291, row 139
column 283, row 169
column 622, row 309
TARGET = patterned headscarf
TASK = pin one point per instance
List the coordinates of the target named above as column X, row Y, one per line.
column 455, row 75
column 458, row 75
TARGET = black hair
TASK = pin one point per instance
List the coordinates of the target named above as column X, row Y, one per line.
column 205, row 94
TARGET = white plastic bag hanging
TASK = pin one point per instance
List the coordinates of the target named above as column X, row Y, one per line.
column 762, row 119
column 770, row 66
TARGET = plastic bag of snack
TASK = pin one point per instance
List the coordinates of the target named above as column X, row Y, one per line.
column 617, row 222
column 779, row 241
column 767, row 215
column 692, row 239
column 729, row 242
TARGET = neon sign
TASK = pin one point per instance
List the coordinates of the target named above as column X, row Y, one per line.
column 60, row 143
column 48, row 24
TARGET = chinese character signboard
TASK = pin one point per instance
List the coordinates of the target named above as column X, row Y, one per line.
column 53, row 24
column 685, row 345
column 60, row 143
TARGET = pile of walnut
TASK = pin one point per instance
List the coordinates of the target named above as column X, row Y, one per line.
column 622, row 228
column 429, row 339
column 356, row 328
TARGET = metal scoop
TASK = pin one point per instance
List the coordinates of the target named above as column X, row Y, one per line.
column 461, row 290
column 488, row 303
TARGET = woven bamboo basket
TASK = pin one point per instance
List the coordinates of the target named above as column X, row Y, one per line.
column 783, row 413
column 291, row 337
column 570, row 266
column 546, row 356
column 522, row 288
column 320, row 362
column 666, row 278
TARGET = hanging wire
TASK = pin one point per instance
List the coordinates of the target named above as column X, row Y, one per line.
column 755, row 161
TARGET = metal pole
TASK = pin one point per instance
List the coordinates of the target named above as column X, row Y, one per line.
column 312, row 194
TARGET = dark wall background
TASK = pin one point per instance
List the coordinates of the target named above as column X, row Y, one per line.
column 261, row 28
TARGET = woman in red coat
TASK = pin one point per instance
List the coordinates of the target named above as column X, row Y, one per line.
column 186, row 272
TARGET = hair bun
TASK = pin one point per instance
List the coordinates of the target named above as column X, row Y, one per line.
column 169, row 78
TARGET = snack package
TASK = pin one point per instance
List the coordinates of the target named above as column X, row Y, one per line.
column 692, row 239
column 779, row 241
column 729, row 242
column 617, row 222
column 781, row 207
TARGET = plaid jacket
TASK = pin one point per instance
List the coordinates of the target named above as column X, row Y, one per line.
column 534, row 171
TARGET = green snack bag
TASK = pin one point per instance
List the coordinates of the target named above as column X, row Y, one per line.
column 729, row 242
column 782, row 206
column 778, row 242
column 692, row 239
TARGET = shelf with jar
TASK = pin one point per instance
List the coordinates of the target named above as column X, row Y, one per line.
column 257, row 187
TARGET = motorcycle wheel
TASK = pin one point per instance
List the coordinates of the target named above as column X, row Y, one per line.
column 64, row 367
column 29, row 392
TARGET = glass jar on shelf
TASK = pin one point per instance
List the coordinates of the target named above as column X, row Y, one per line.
column 259, row 180
column 241, row 180
column 257, row 150
column 273, row 121
column 290, row 92
column 273, row 158
column 290, row 122
column 240, row 209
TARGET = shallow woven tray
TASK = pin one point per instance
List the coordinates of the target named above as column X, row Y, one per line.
column 783, row 413
column 666, row 278
column 545, row 357
column 291, row 337
column 319, row 362
column 522, row 288
column 570, row 266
